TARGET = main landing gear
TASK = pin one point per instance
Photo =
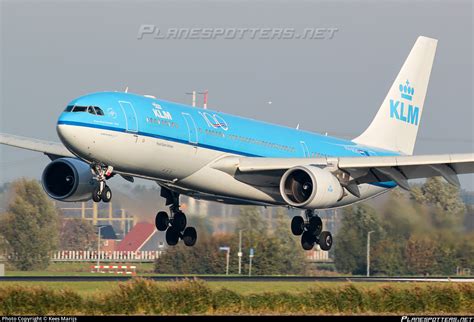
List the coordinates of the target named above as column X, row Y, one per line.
column 101, row 174
column 311, row 231
column 175, row 223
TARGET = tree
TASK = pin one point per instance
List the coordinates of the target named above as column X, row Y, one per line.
column 288, row 253
column 387, row 257
column 203, row 258
column 445, row 200
column 30, row 226
column 251, row 219
column 276, row 253
column 3, row 246
column 420, row 255
column 77, row 234
column 351, row 241
column 465, row 251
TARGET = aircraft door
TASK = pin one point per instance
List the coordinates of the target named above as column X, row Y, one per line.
column 305, row 149
column 131, row 122
column 192, row 130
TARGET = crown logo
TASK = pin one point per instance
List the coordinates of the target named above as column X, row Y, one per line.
column 406, row 91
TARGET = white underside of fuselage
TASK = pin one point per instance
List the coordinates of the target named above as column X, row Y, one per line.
column 184, row 168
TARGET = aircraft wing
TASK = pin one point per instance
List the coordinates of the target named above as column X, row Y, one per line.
column 52, row 149
column 353, row 170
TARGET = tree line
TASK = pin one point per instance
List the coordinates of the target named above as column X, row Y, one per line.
column 417, row 232
column 32, row 227
column 422, row 232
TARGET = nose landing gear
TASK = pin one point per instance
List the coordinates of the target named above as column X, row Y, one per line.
column 311, row 231
column 101, row 174
column 175, row 224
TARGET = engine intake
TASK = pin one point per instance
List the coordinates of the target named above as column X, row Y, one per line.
column 310, row 187
column 68, row 179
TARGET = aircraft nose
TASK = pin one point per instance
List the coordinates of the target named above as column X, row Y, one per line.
column 63, row 133
column 63, row 128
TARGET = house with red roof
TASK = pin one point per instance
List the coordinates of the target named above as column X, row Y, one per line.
column 142, row 237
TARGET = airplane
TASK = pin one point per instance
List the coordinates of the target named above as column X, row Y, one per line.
column 210, row 155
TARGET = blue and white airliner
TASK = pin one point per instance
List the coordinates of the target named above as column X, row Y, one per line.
column 206, row 154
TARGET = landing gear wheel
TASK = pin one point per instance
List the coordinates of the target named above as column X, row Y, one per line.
column 315, row 225
column 325, row 240
column 162, row 221
column 179, row 221
column 189, row 236
column 96, row 194
column 307, row 240
column 106, row 194
column 297, row 225
column 172, row 236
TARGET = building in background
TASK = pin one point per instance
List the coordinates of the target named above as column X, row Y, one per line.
column 100, row 214
column 142, row 237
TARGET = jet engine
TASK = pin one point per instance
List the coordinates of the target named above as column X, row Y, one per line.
column 68, row 179
column 310, row 187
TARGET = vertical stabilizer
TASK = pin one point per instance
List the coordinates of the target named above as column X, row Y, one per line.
column 395, row 125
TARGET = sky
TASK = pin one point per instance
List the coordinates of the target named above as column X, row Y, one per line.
column 52, row 52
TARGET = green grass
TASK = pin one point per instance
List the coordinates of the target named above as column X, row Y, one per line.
column 239, row 287
column 243, row 288
column 83, row 288
column 77, row 269
column 141, row 296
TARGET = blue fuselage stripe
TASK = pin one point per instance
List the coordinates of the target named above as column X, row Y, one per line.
column 156, row 136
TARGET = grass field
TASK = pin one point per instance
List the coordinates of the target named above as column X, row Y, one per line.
column 76, row 269
column 141, row 296
column 243, row 288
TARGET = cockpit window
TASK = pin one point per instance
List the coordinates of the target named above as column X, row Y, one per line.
column 99, row 111
column 91, row 110
column 94, row 110
column 80, row 109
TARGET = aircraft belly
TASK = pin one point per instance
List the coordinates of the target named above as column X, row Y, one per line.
column 211, row 181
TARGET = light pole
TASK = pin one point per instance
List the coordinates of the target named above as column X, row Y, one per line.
column 98, row 249
column 251, row 254
column 368, row 252
column 240, row 250
column 227, row 249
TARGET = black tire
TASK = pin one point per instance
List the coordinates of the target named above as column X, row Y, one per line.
column 325, row 240
column 106, row 195
column 307, row 240
column 297, row 225
column 96, row 195
column 179, row 221
column 315, row 225
column 190, row 236
column 162, row 221
column 172, row 236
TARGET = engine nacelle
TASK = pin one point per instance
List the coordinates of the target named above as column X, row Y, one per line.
column 310, row 187
column 68, row 179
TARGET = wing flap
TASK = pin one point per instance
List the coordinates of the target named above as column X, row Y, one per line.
column 405, row 160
